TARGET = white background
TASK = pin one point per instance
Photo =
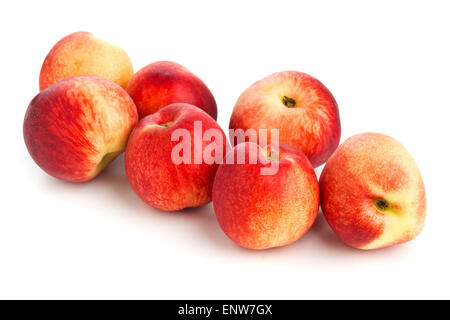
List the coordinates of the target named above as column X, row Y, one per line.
column 387, row 64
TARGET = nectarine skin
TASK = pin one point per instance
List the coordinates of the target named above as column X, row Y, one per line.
column 299, row 106
column 162, row 83
column 148, row 159
column 82, row 53
column 264, row 211
column 74, row 128
column 372, row 193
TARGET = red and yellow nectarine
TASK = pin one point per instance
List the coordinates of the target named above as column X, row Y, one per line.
column 162, row 83
column 372, row 193
column 152, row 157
column 299, row 106
column 263, row 211
column 82, row 53
column 74, row 128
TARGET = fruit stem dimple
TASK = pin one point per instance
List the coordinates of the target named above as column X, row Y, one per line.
column 167, row 124
column 270, row 155
column 381, row 204
column 106, row 159
column 288, row 102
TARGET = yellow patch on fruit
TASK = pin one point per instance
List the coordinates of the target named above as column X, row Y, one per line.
column 401, row 218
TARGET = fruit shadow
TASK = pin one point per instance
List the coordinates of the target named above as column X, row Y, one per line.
column 330, row 242
column 323, row 232
column 202, row 224
column 200, row 220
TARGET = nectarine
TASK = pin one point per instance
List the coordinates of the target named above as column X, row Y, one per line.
column 372, row 193
column 263, row 211
column 299, row 106
column 162, row 83
column 74, row 128
column 167, row 161
column 82, row 53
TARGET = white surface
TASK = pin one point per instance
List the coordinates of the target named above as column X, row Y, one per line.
column 387, row 64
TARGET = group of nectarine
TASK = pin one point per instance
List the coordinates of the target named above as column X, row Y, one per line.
column 265, row 193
